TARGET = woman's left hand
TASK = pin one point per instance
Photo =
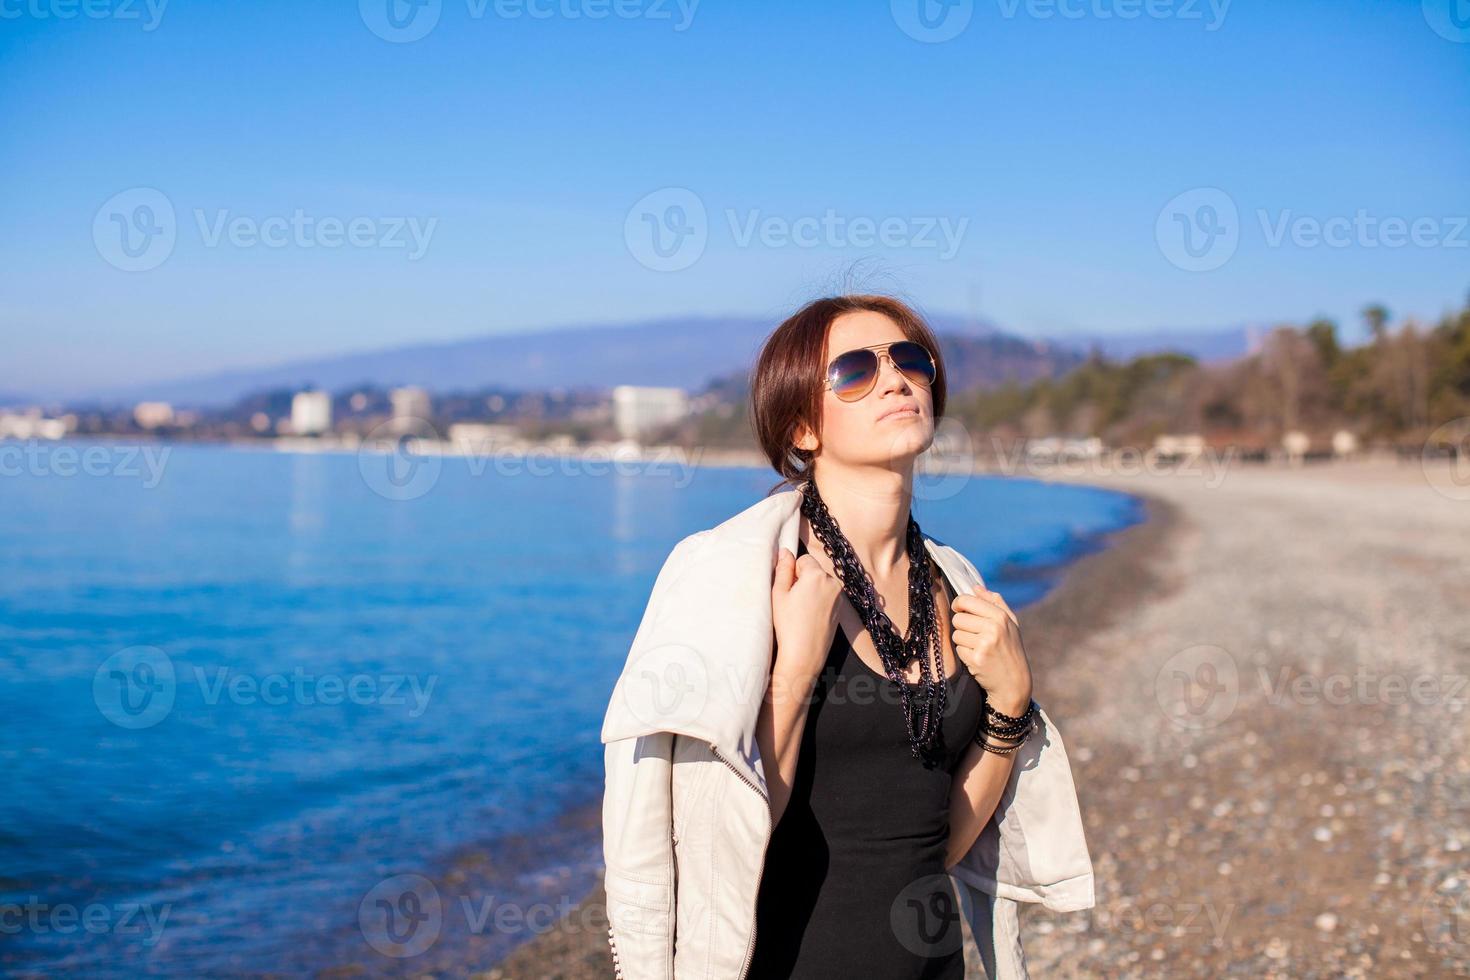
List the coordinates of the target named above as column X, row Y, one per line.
column 987, row 640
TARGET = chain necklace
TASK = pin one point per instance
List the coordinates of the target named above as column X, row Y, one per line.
column 922, row 722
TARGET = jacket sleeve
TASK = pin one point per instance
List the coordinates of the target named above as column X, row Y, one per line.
column 637, row 823
column 637, row 847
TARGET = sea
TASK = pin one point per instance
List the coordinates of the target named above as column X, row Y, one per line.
column 335, row 713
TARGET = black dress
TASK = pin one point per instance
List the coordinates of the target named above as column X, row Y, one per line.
column 854, row 882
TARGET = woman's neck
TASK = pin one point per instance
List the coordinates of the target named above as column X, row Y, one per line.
column 871, row 506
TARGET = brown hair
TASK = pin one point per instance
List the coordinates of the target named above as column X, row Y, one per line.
column 786, row 385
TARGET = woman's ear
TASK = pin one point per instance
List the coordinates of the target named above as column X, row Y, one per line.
column 805, row 439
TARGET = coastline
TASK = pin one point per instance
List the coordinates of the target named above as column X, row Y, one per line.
column 1262, row 688
column 1102, row 582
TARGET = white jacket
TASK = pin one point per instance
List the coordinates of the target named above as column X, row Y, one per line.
column 686, row 815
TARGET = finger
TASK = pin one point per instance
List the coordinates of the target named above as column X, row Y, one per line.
column 979, row 633
column 1000, row 601
column 973, row 643
column 985, row 603
column 808, row 565
column 978, row 604
column 785, row 569
column 982, row 625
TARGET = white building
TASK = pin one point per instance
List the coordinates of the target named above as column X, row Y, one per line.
column 151, row 415
column 311, row 413
column 1171, row 446
column 31, row 424
column 637, row 409
column 482, row 438
column 411, row 408
column 1057, row 449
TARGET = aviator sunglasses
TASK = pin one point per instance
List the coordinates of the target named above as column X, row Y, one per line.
column 852, row 374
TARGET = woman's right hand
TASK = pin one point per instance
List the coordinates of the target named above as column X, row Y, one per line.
column 804, row 609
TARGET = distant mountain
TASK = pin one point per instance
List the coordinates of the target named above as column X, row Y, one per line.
column 1223, row 343
column 988, row 361
column 682, row 352
column 661, row 352
column 677, row 352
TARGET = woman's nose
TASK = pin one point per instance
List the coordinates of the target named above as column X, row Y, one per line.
column 890, row 376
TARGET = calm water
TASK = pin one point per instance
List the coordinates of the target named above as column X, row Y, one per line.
column 244, row 690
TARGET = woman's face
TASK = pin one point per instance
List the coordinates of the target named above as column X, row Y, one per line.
column 894, row 422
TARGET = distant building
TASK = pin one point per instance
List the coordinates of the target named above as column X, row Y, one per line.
column 410, row 404
column 1056, row 449
column 482, row 437
column 32, row 425
column 311, row 413
column 637, row 410
column 1295, row 444
column 1178, row 447
column 151, row 415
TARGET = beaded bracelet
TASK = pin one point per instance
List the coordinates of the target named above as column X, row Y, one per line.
column 1005, row 719
column 1008, row 731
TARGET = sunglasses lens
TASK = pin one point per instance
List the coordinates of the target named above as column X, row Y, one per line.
column 914, row 361
column 852, row 374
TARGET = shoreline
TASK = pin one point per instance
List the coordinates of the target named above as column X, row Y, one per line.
column 1101, row 582
column 1263, row 690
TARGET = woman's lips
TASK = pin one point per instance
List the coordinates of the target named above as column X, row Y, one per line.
column 900, row 413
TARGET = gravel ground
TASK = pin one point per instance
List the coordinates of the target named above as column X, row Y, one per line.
column 1263, row 691
column 1272, row 750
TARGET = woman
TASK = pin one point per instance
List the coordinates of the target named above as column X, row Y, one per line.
column 893, row 706
column 790, row 779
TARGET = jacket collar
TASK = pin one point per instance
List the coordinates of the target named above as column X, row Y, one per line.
column 700, row 660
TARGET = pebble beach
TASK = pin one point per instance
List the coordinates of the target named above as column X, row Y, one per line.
column 1263, row 691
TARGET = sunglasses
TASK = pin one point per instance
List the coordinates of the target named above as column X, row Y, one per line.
column 852, row 374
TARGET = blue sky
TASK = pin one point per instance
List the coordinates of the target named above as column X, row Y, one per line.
column 1067, row 146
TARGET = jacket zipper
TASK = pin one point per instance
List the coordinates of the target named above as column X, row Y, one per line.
column 750, row 946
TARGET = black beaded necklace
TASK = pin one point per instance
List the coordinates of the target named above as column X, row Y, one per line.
column 922, row 722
